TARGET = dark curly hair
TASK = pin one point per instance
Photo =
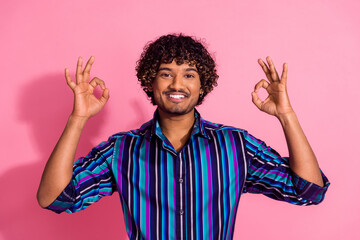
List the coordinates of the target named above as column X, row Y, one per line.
column 182, row 49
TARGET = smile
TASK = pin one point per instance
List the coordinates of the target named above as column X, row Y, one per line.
column 177, row 96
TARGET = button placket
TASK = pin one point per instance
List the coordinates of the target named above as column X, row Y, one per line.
column 181, row 191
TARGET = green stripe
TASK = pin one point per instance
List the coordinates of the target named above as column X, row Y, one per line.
column 135, row 180
column 222, row 149
column 126, row 217
column 162, row 200
column 231, row 158
column 142, row 187
column 171, row 191
column 196, row 188
column 205, row 196
column 260, row 147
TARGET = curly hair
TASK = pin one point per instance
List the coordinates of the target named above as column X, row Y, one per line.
column 182, row 49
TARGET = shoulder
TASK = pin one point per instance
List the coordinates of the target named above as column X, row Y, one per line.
column 215, row 130
column 250, row 141
column 218, row 127
column 144, row 130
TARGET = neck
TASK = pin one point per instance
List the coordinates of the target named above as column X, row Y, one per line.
column 177, row 128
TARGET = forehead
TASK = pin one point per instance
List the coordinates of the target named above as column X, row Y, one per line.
column 179, row 67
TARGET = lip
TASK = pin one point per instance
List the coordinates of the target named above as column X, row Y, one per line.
column 170, row 96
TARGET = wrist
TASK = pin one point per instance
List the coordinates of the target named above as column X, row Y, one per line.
column 287, row 118
column 77, row 121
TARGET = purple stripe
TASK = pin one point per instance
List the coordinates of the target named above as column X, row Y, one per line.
column 104, row 193
column 119, row 185
column 253, row 138
column 214, row 125
column 57, row 207
column 236, row 167
column 121, row 148
column 174, row 174
column 129, row 211
column 210, row 192
column 280, row 174
column 88, row 177
column 264, row 171
column 147, row 124
column 147, row 189
column 119, row 164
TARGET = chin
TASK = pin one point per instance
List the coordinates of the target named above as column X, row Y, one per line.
column 176, row 110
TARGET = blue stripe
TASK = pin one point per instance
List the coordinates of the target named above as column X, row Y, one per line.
column 212, row 149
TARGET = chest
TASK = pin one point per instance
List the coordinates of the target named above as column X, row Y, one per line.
column 155, row 173
column 177, row 194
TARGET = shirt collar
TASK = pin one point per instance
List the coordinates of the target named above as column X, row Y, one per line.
column 199, row 125
column 153, row 127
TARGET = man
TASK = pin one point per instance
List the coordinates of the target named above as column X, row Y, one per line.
column 179, row 176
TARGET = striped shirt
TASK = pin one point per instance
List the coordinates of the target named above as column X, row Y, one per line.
column 190, row 194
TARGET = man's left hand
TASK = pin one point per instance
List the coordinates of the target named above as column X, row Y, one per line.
column 277, row 103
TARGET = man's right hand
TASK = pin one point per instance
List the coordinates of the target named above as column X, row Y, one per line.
column 86, row 104
column 59, row 168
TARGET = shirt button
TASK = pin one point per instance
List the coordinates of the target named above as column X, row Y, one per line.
column 181, row 180
column 181, row 212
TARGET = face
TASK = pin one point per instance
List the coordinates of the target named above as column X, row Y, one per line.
column 176, row 88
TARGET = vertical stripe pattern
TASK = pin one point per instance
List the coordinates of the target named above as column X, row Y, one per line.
column 190, row 194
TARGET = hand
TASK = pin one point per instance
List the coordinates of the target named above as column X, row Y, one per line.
column 86, row 104
column 277, row 103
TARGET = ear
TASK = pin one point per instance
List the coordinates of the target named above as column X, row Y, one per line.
column 150, row 88
column 201, row 91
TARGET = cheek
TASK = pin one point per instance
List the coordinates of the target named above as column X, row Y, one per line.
column 196, row 87
column 158, row 85
column 155, row 88
column 157, row 91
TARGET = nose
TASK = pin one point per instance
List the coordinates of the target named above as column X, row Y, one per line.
column 177, row 82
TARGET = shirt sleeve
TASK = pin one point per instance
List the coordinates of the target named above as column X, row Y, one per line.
column 270, row 174
column 92, row 179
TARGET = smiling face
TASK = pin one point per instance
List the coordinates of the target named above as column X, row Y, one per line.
column 176, row 88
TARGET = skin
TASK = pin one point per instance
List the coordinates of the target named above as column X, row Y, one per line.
column 176, row 119
column 176, row 115
column 58, row 170
column 302, row 159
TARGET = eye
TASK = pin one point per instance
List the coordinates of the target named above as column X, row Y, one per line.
column 166, row 75
column 189, row 76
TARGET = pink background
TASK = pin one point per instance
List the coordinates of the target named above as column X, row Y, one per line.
column 320, row 40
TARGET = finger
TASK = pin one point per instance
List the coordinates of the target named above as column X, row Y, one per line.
column 261, row 84
column 69, row 82
column 97, row 81
column 87, row 69
column 273, row 72
column 105, row 96
column 79, row 77
column 265, row 69
column 256, row 100
column 284, row 73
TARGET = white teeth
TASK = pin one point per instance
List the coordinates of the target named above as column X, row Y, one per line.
column 176, row 96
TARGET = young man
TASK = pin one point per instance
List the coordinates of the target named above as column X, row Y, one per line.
column 179, row 176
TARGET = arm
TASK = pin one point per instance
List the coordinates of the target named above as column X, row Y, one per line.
column 302, row 159
column 58, row 170
column 269, row 174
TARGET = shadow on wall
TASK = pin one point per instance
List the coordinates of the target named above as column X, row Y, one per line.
column 45, row 104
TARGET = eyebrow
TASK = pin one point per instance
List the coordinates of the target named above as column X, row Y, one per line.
column 169, row 69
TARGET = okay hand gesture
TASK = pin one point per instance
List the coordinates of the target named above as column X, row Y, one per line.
column 86, row 104
column 277, row 103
